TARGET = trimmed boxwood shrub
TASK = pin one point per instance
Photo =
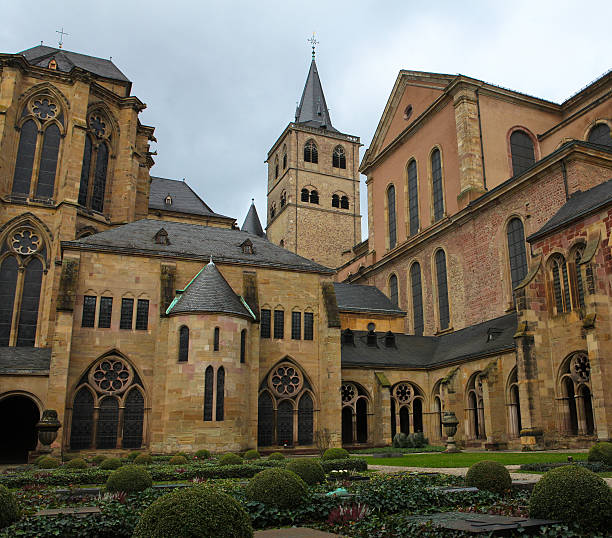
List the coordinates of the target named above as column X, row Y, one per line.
column 179, row 459
column 49, row 462
column 195, row 512
column 76, row 463
column 276, row 456
column 573, row 494
column 351, row 464
column 202, row 454
column 601, row 451
column 39, row 459
column 133, row 455
column 335, row 454
column 489, row 476
column 308, row 469
column 251, row 455
column 143, row 459
column 9, row 509
column 111, row 464
column 98, row 459
column 230, row 459
column 129, row 478
column 277, row 487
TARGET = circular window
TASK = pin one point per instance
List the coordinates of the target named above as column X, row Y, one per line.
column 44, row 108
column 580, row 368
column 286, row 380
column 349, row 393
column 25, row 241
column 408, row 112
column 371, row 327
column 97, row 125
column 111, row 375
column 403, row 393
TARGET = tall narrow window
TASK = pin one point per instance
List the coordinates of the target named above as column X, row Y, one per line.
column 339, row 157
column 243, row 335
column 133, row 416
column 183, row 354
column 413, row 197
column 578, row 268
column 99, row 185
column 127, row 313
column 265, row 323
column 516, row 251
column 523, row 154
column 142, row 315
column 276, row 168
column 304, row 195
column 25, row 158
column 600, row 134
column 208, row 393
column 220, row 393
column 48, row 162
column 296, row 325
column 344, row 202
column 417, row 298
column 391, row 216
column 311, row 154
column 106, row 311
column 28, row 314
column 443, row 308
column 308, row 325
column 81, row 431
column 85, row 169
column 393, row 292
column 314, row 197
column 279, row 324
column 335, row 200
column 216, row 339
column 305, row 420
column 284, row 157
column 437, row 187
column 8, row 287
column 108, row 423
column 89, row 311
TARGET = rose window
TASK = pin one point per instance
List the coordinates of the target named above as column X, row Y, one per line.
column 111, row 376
column 44, row 109
column 286, row 380
column 403, row 393
column 97, row 126
column 25, row 241
column 349, row 393
column 581, row 368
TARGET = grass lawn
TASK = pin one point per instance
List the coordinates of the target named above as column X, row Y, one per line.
column 605, row 474
column 465, row 459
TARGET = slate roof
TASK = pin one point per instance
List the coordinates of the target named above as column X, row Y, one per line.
column 312, row 110
column 359, row 298
column 25, row 360
column 184, row 199
column 430, row 351
column 194, row 241
column 579, row 205
column 252, row 223
column 41, row 55
column 209, row 292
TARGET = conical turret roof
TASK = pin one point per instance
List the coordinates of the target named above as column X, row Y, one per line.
column 252, row 223
column 312, row 110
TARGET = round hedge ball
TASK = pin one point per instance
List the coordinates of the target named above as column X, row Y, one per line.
column 202, row 454
column 336, row 454
column 129, row 478
column 143, row 459
column 197, row 512
column 49, row 462
column 276, row 456
column 98, row 459
column 602, row 452
column 489, row 476
column 230, row 459
column 308, row 469
column 573, row 494
column 111, row 464
column 76, row 463
column 277, row 487
column 251, row 455
column 179, row 459
column 9, row 509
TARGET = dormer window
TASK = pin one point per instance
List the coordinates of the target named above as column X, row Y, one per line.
column 168, row 200
column 371, row 339
column 161, row 237
column 493, row 333
column 52, row 64
column 247, row 247
column 348, row 337
column 389, row 339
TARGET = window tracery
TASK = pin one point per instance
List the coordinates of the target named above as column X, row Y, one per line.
column 575, row 395
column 406, row 408
column 311, row 153
column 339, row 158
column 355, row 404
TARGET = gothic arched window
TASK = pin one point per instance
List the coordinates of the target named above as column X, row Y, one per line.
column 284, row 157
column 443, row 307
column 243, row 335
column 355, row 403
column 311, row 154
column 560, row 284
column 339, row 157
column 574, row 389
column 413, row 197
column 437, row 186
column 391, row 216
column 578, row 252
column 133, row 417
column 314, row 197
column 600, row 134
column 276, row 168
column 208, row 393
column 25, row 158
column 183, row 354
column 305, row 420
column 216, row 339
column 305, row 195
column 516, row 251
column 475, row 408
column 522, row 151
column 108, row 423
column 48, row 162
column 417, row 298
column 335, row 200
column 82, row 419
column 344, row 202
column 220, row 393
column 393, row 291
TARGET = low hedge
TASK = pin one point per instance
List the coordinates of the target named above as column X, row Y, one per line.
column 489, row 476
column 335, row 454
column 277, row 487
column 276, row 456
column 351, row 464
column 143, row 459
column 98, row 459
column 595, row 466
column 49, row 462
column 9, row 509
column 230, row 459
column 601, row 452
column 129, row 478
column 111, row 464
column 178, row 459
column 76, row 463
column 134, row 454
column 202, row 454
column 251, row 455
column 308, row 469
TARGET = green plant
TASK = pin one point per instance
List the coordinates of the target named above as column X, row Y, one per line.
column 49, row 462
column 9, row 509
column 276, row 456
column 143, row 459
column 400, row 440
column 601, row 451
column 39, row 459
column 133, row 455
column 129, row 478
column 308, row 469
column 335, row 454
column 277, row 487
column 76, row 463
column 230, row 459
column 98, row 459
column 111, row 464
column 350, row 464
column 573, row 494
column 202, row 454
column 197, row 512
column 251, row 455
column 489, row 476
column 178, row 459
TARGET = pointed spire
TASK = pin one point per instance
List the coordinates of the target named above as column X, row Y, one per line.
column 252, row 223
column 312, row 109
column 211, row 262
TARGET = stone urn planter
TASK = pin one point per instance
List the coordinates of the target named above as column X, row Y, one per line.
column 450, row 423
column 47, row 429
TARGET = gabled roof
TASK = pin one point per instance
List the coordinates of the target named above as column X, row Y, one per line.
column 25, row 360
column 579, row 205
column 194, row 241
column 359, row 298
column 252, row 223
column 312, row 110
column 209, row 292
column 41, row 55
column 487, row 338
column 184, row 199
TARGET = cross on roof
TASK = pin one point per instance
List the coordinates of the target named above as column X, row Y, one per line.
column 313, row 42
column 62, row 34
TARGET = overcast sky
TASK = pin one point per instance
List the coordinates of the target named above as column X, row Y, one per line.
column 221, row 79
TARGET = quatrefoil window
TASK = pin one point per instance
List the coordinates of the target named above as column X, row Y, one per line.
column 580, row 368
column 111, row 376
column 25, row 241
column 403, row 393
column 286, row 380
column 44, row 109
column 349, row 393
column 98, row 126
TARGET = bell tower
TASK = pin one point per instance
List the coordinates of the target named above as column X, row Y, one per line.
column 313, row 183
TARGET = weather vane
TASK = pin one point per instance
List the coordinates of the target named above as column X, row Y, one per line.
column 62, row 34
column 314, row 43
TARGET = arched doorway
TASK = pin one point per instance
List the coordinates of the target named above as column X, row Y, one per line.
column 355, row 405
column 20, row 415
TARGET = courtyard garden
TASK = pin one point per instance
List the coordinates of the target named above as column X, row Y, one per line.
column 233, row 495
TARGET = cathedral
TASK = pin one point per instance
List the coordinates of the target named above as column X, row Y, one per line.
column 147, row 320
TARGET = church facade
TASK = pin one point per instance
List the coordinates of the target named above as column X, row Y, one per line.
column 147, row 320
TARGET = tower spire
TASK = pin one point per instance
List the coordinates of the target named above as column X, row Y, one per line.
column 314, row 43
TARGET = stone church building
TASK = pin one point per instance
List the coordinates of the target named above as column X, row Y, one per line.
column 147, row 320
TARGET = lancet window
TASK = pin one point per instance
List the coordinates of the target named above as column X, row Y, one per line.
column 575, row 395
column 356, row 402
column 406, row 408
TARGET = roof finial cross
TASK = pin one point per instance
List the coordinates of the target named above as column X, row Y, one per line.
column 62, row 34
column 314, row 43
